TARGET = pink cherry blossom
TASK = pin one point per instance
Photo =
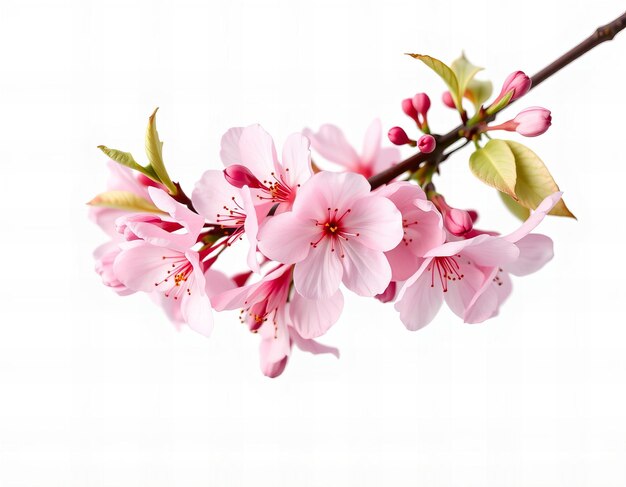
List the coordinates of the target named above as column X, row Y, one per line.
column 330, row 142
column 232, row 208
column 164, row 262
column 276, row 181
column 337, row 231
column 105, row 256
column 530, row 122
column 426, row 143
column 265, row 309
column 421, row 225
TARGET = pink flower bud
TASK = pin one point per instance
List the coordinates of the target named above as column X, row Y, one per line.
column 473, row 215
column 458, row 222
column 398, row 136
column 447, row 100
column 518, row 82
column 388, row 294
column 408, row 109
column 426, row 143
column 421, row 103
column 533, row 121
column 240, row 176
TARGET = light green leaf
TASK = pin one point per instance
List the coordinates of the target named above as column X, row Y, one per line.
column 465, row 72
column 126, row 159
column 501, row 104
column 494, row 165
column 124, row 200
column 514, row 207
column 446, row 74
column 534, row 181
column 154, row 151
column 478, row 92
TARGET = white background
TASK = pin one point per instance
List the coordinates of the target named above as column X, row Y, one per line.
column 97, row 390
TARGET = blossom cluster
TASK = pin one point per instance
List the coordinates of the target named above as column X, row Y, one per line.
column 309, row 235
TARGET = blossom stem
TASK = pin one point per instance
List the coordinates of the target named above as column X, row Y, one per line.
column 602, row 34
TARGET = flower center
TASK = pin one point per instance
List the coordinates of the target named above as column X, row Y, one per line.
column 447, row 269
column 405, row 225
column 175, row 281
column 278, row 190
column 334, row 228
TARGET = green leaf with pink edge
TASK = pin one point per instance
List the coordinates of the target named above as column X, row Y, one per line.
column 445, row 73
column 534, row 181
column 514, row 207
column 465, row 72
column 124, row 200
column 494, row 165
column 154, row 151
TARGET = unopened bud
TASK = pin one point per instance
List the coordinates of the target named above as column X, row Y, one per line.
column 517, row 82
column 240, row 176
column 533, row 121
column 426, row 143
column 398, row 136
column 447, row 100
column 457, row 222
column 421, row 103
column 388, row 294
column 408, row 109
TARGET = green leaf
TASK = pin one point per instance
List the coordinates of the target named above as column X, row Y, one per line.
column 126, row 159
column 501, row 104
column 124, row 200
column 494, row 165
column 514, row 207
column 465, row 72
column 446, row 74
column 534, row 181
column 154, row 151
column 478, row 92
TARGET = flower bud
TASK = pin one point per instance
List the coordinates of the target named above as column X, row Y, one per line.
column 518, row 82
column 408, row 109
column 426, row 143
column 421, row 103
column 240, row 176
column 473, row 215
column 447, row 100
column 457, row 222
column 533, row 121
column 398, row 136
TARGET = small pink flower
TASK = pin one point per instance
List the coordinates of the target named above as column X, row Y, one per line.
column 330, row 142
column 426, row 143
column 530, row 122
column 274, row 181
column 337, row 231
column 266, row 310
column 165, row 263
column 421, row 225
column 230, row 207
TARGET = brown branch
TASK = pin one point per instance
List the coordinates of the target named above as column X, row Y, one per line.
column 602, row 34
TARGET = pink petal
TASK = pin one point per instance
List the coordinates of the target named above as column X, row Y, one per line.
column 287, row 238
column 230, row 147
column 331, row 144
column 319, row 275
column 371, row 143
column 296, row 166
column 251, row 228
column 313, row 317
column 536, row 250
column 217, row 282
column 484, row 250
column 404, row 263
column 387, row 157
column 461, row 292
column 376, row 221
column 179, row 212
column 419, row 301
column 365, row 271
column 257, row 151
column 211, row 193
column 144, row 267
column 329, row 190
column 196, row 311
column 535, row 218
column 312, row 346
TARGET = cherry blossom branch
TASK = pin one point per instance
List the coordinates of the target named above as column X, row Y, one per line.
column 601, row 34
